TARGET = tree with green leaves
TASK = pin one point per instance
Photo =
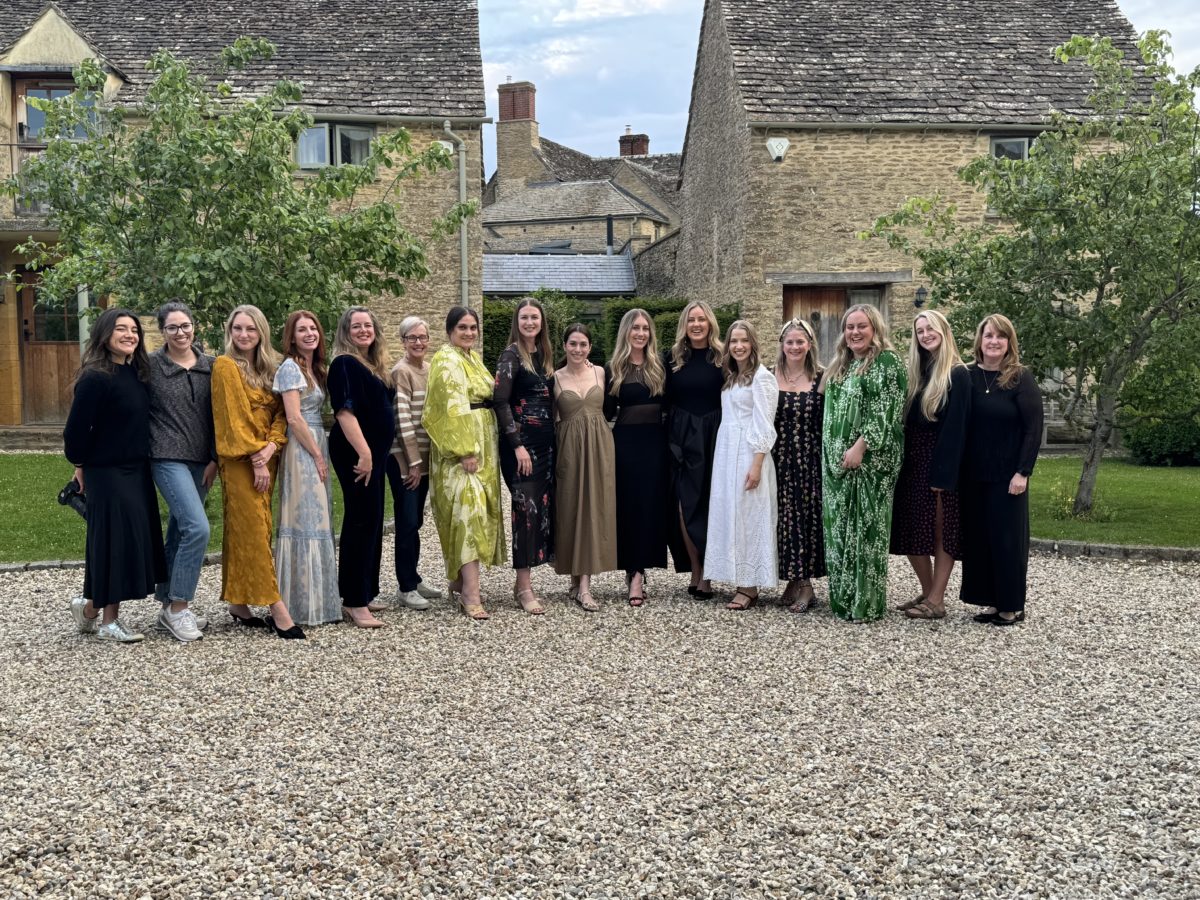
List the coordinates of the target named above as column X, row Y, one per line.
column 1095, row 255
column 192, row 193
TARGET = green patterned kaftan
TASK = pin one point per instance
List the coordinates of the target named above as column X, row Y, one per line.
column 858, row 502
column 466, row 507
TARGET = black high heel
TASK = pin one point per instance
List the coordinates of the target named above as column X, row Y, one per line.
column 250, row 621
column 292, row 634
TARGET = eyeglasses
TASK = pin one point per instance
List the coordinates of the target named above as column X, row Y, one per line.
column 416, row 338
column 185, row 328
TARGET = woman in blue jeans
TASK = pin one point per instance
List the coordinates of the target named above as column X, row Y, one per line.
column 183, row 461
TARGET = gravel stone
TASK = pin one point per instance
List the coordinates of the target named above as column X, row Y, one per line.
column 679, row 750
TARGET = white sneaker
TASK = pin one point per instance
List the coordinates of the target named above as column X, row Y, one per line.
column 427, row 592
column 115, row 631
column 82, row 622
column 413, row 600
column 182, row 624
column 201, row 622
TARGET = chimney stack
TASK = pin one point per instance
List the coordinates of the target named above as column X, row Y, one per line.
column 517, row 101
column 517, row 141
column 634, row 144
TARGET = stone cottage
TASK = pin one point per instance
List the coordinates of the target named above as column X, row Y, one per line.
column 365, row 68
column 810, row 119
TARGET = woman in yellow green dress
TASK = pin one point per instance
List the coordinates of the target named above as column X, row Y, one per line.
column 464, row 471
column 862, row 449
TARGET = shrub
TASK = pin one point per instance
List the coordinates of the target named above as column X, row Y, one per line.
column 1158, row 443
column 561, row 311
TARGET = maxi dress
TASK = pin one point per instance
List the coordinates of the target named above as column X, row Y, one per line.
column 585, row 535
column 245, row 420
column 524, row 409
column 305, row 556
column 858, row 502
column 460, row 422
column 741, row 523
column 694, row 415
column 798, row 470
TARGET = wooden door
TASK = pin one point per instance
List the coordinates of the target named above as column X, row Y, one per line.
column 49, row 354
column 821, row 307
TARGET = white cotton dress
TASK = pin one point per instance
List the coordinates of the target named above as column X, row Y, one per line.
column 742, row 549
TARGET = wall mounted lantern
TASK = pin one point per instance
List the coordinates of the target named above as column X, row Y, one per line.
column 922, row 296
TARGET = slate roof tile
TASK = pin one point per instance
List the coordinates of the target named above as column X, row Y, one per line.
column 603, row 276
column 555, row 201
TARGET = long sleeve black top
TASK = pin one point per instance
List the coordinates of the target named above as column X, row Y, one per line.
column 109, row 421
column 696, row 387
column 1004, row 429
column 951, row 426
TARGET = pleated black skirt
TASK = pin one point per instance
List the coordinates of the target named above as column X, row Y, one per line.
column 124, row 558
column 995, row 545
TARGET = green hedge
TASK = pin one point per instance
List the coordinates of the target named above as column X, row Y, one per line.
column 1164, row 443
column 561, row 311
column 664, row 311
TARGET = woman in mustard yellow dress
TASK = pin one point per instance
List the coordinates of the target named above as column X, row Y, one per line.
column 250, row 428
column 464, row 471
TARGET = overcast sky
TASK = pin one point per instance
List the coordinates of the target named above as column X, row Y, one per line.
column 600, row 65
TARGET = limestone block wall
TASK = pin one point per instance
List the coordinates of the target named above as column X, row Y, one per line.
column 623, row 229
column 655, row 267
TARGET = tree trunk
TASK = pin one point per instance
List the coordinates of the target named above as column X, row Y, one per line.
column 1102, row 430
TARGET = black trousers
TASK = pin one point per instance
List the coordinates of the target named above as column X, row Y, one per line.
column 409, row 508
column 361, row 550
column 995, row 545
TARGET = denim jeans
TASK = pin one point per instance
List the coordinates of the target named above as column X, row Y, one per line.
column 409, row 508
column 182, row 486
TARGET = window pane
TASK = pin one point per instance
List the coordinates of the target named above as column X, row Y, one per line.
column 312, row 150
column 35, row 119
column 354, row 144
column 1010, row 148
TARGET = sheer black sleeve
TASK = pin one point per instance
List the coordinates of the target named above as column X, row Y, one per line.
column 508, row 366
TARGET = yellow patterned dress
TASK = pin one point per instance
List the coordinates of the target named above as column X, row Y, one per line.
column 245, row 420
column 466, row 507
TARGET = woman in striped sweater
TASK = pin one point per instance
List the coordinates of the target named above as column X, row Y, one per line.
column 408, row 465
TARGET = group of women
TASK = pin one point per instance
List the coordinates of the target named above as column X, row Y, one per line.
column 743, row 476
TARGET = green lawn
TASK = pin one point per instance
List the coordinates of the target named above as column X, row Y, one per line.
column 1136, row 505
column 34, row 527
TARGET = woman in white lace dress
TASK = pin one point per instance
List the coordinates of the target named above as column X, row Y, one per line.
column 743, row 506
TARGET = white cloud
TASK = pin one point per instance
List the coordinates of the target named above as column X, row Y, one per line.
column 594, row 10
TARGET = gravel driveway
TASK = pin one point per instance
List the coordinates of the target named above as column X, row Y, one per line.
column 679, row 750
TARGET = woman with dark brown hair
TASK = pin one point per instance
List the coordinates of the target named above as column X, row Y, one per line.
column 305, row 559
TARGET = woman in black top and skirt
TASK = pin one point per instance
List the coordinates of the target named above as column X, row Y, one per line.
column 925, row 511
column 635, row 399
column 1004, row 431
column 524, row 411
column 694, row 384
column 360, row 389
column 107, row 437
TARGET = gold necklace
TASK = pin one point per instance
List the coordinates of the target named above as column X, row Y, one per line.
column 987, row 388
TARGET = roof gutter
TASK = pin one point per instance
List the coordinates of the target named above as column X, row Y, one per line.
column 464, row 278
column 318, row 114
column 899, row 126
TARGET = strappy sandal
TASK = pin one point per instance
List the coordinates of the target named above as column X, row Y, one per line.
column 733, row 604
column 909, row 604
column 802, row 604
column 586, row 601
column 533, row 606
column 636, row 600
column 473, row 609
column 924, row 611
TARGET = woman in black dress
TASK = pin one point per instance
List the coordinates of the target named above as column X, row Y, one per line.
column 1004, row 431
column 694, row 384
column 925, row 510
column 797, row 453
column 360, row 388
column 524, row 411
column 636, row 400
column 107, row 438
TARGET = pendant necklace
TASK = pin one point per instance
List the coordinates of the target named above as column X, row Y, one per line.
column 987, row 388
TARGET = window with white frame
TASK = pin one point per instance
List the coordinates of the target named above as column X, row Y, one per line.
column 1016, row 148
column 328, row 144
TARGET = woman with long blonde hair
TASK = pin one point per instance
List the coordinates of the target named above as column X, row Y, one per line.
column 743, row 509
column 797, row 453
column 694, row 402
column 1004, row 432
column 862, row 449
column 360, row 389
column 524, row 406
column 636, row 401
column 250, row 428
column 925, row 510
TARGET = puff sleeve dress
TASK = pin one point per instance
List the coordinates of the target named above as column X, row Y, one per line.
column 741, row 524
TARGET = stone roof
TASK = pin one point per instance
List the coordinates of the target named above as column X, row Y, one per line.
column 576, row 244
column 602, row 276
column 938, row 61
column 556, row 201
column 567, row 164
column 404, row 57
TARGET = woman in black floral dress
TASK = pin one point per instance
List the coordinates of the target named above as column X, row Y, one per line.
column 797, row 455
column 524, row 411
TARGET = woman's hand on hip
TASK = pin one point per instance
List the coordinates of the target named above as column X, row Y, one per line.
column 362, row 469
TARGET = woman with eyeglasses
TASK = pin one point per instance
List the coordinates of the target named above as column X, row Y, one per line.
column 183, row 459
column 797, row 454
column 408, row 464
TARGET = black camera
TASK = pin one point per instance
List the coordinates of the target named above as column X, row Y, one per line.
column 71, row 496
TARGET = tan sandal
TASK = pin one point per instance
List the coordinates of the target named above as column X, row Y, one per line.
column 909, row 604
column 473, row 609
column 924, row 611
column 533, row 605
column 586, row 601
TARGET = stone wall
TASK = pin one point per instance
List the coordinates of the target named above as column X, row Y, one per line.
column 655, row 267
column 716, row 161
column 624, row 229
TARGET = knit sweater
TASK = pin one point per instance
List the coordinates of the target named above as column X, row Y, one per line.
column 181, row 420
column 412, row 442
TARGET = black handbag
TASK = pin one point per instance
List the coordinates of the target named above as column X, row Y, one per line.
column 71, row 496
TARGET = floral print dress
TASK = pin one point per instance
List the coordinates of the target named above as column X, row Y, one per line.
column 797, row 453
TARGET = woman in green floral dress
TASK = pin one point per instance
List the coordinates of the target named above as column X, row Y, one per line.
column 863, row 448
column 464, row 476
